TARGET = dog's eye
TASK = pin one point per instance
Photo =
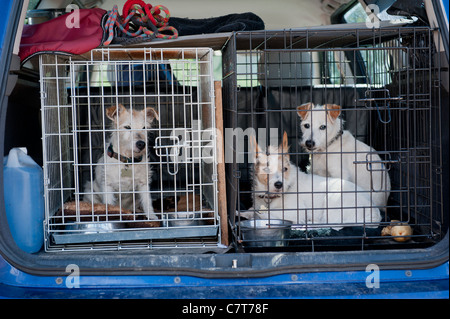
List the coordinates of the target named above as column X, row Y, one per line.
column 285, row 169
column 127, row 127
column 306, row 125
column 322, row 127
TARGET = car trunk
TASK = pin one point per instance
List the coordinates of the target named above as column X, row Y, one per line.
column 389, row 82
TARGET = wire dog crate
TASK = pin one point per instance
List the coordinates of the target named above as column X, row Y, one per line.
column 385, row 84
column 129, row 149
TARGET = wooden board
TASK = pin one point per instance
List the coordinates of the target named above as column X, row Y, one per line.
column 222, row 202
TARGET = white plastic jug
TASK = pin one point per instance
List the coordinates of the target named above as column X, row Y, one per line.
column 24, row 199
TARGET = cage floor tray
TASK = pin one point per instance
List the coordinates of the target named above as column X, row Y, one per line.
column 130, row 235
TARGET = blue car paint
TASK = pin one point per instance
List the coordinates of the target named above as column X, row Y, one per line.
column 6, row 6
column 446, row 3
column 425, row 283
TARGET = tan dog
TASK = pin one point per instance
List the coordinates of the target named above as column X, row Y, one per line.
column 336, row 153
column 123, row 168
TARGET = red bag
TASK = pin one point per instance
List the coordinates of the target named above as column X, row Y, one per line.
column 63, row 34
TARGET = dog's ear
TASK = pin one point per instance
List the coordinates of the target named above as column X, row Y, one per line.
column 254, row 145
column 151, row 114
column 333, row 110
column 284, row 146
column 113, row 111
column 303, row 109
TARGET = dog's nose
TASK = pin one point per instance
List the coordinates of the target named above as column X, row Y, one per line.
column 140, row 145
column 278, row 185
column 310, row 143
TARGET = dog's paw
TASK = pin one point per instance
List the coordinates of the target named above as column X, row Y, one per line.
column 151, row 216
column 250, row 214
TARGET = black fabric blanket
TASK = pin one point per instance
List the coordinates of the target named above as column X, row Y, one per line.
column 232, row 22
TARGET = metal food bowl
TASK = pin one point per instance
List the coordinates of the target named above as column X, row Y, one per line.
column 94, row 228
column 265, row 232
column 184, row 219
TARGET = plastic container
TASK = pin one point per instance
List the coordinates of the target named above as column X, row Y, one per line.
column 24, row 199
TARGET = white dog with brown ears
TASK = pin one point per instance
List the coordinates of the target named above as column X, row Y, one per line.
column 123, row 170
column 283, row 191
column 337, row 153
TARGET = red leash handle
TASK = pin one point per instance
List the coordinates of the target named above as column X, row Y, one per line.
column 146, row 7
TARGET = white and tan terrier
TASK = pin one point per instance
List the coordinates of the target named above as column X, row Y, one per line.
column 283, row 191
column 122, row 172
column 336, row 153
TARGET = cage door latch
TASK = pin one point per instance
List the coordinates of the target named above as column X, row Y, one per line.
column 169, row 147
column 383, row 97
column 373, row 164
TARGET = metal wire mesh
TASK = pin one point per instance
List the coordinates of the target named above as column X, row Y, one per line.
column 384, row 84
column 123, row 128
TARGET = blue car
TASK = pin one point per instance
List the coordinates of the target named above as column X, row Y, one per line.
column 130, row 168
